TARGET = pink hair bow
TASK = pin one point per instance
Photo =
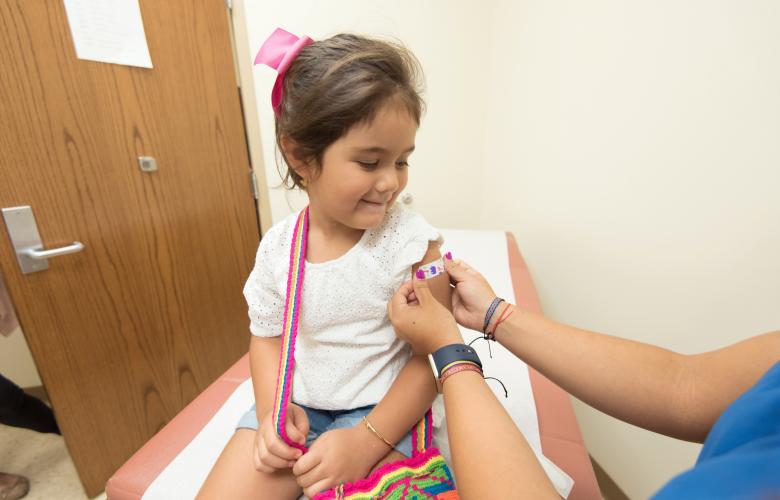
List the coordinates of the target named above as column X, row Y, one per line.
column 278, row 52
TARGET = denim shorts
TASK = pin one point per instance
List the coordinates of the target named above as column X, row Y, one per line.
column 321, row 421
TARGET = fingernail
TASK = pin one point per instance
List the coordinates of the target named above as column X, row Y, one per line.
column 448, row 256
column 420, row 275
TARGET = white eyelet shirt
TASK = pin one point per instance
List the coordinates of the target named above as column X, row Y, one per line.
column 346, row 353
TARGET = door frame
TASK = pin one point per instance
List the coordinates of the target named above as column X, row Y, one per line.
column 242, row 55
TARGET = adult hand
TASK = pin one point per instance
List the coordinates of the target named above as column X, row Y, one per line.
column 420, row 319
column 472, row 294
column 271, row 453
column 337, row 456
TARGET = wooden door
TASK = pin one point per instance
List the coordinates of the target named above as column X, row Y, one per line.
column 129, row 330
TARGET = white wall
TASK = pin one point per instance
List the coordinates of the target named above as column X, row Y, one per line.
column 449, row 152
column 16, row 362
column 632, row 147
column 634, row 150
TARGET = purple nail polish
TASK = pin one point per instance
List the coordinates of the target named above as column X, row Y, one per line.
column 448, row 255
column 420, row 274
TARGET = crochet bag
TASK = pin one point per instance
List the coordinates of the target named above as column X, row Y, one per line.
column 424, row 475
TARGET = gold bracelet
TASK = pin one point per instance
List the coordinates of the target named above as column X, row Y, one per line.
column 376, row 432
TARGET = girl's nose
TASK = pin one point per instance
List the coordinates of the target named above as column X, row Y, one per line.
column 388, row 181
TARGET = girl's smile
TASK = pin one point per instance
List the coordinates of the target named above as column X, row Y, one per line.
column 363, row 172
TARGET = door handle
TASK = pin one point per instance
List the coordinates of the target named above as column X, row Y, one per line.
column 33, row 253
column 27, row 243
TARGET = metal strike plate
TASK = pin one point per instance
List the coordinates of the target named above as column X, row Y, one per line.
column 147, row 163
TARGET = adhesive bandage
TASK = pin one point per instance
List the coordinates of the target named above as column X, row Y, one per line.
column 431, row 270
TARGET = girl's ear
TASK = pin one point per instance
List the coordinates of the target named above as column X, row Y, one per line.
column 292, row 155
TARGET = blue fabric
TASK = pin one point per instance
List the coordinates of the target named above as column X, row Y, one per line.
column 741, row 455
column 321, row 421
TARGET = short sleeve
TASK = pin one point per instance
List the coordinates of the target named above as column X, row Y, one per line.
column 414, row 237
column 263, row 297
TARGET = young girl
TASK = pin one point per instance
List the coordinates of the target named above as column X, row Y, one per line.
column 347, row 111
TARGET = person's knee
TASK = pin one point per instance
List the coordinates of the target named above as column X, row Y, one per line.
column 234, row 474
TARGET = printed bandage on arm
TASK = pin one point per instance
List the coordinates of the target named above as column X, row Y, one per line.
column 431, row 270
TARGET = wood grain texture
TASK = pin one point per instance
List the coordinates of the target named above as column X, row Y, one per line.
column 127, row 332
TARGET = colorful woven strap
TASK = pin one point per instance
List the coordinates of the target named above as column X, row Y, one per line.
column 422, row 435
column 292, row 310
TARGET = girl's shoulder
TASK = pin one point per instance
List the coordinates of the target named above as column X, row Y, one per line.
column 276, row 241
column 400, row 241
column 400, row 226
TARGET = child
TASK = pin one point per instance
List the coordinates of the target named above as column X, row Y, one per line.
column 347, row 111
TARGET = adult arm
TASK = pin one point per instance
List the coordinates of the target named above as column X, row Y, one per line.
column 660, row 390
column 413, row 391
column 491, row 458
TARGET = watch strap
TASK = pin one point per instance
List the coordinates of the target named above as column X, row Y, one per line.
column 453, row 353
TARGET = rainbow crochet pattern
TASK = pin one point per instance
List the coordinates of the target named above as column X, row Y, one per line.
column 423, row 476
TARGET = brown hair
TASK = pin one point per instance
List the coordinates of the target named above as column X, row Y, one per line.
column 337, row 83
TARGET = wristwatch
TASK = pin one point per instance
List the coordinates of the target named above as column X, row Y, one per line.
column 449, row 354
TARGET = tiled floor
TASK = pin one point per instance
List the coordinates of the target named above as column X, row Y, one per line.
column 44, row 460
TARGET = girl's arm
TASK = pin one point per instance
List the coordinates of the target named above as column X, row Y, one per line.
column 271, row 453
column 414, row 390
column 264, row 365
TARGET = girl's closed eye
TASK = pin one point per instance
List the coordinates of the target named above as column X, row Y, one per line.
column 368, row 165
column 402, row 164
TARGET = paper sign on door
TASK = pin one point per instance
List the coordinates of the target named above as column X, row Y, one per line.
column 110, row 31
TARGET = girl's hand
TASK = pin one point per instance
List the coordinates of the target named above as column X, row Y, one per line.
column 420, row 320
column 271, row 453
column 472, row 295
column 338, row 456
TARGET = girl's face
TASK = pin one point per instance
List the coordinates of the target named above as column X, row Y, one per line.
column 364, row 170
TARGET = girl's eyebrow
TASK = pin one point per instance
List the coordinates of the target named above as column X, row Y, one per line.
column 377, row 149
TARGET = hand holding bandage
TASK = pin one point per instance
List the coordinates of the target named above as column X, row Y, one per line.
column 420, row 319
column 472, row 295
